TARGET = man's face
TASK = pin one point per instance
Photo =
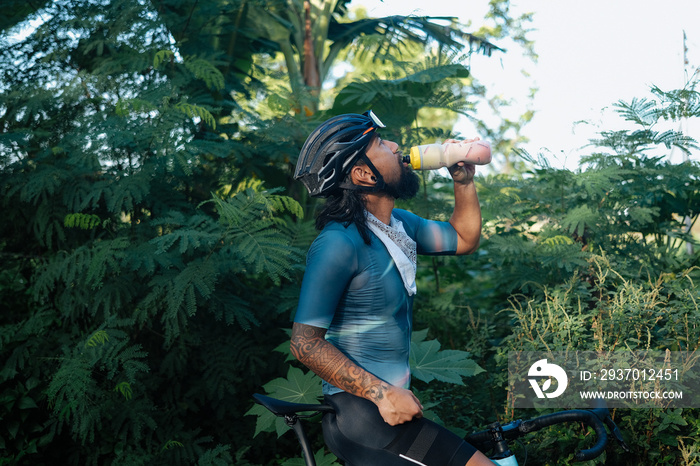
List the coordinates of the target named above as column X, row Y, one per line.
column 401, row 181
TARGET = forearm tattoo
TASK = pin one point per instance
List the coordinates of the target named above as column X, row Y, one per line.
column 309, row 346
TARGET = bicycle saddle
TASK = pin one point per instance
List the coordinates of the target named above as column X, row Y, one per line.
column 283, row 408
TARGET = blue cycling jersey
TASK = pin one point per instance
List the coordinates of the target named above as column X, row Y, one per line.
column 355, row 291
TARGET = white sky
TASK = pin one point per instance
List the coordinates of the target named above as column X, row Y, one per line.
column 591, row 54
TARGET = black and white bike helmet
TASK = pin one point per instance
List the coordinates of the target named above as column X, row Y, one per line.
column 332, row 149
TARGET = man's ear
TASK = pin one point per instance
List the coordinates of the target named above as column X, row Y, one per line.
column 362, row 175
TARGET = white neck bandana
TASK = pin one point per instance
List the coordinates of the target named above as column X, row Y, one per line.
column 400, row 246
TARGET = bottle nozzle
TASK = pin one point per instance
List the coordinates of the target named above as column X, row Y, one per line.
column 406, row 159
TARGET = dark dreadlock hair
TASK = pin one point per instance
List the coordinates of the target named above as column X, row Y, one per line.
column 345, row 206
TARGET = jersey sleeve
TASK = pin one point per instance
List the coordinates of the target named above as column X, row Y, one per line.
column 330, row 264
column 431, row 237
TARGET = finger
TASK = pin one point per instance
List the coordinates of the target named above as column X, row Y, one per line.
column 417, row 401
column 458, row 171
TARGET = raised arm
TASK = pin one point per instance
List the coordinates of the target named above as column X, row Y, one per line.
column 466, row 217
column 396, row 405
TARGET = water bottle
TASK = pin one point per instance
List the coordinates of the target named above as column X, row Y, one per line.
column 434, row 156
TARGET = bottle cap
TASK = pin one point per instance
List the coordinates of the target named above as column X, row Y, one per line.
column 414, row 158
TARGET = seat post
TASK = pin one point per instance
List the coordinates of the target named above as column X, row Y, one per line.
column 292, row 421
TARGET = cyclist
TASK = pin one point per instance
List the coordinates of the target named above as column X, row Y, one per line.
column 353, row 322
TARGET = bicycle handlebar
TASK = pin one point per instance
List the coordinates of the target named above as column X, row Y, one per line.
column 519, row 428
column 587, row 417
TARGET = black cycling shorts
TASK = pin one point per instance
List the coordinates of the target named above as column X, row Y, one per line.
column 357, row 434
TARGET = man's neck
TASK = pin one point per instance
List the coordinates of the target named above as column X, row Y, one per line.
column 380, row 205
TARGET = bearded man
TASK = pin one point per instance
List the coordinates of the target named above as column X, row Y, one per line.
column 354, row 319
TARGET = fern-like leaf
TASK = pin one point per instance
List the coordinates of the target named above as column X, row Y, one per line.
column 82, row 221
column 218, row 456
column 558, row 240
column 161, row 57
column 197, row 111
column 199, row 276
column 100, row 337
column 643, row 215
column 643, row 112
column 125, row 389
column 252, row 234
column 171, row 444
column 321, row 458
column 207, row 72
column 579, row 218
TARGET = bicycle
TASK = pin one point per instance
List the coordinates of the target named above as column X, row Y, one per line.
column 493, row 441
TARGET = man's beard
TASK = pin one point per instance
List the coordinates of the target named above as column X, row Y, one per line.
column 406, row 187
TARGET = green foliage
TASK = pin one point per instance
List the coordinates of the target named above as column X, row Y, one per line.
column 145, row 266
column 79, row 390
column 83, row 221
column 204, row 70
column 429, row 363
column 310, row 49
column 321, row 458
column 409, row 88
column 156, row 239
column 297, row 387
column 617, row 314
column 196, row 111
column 599, row 259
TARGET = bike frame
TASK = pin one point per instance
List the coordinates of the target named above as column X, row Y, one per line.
column 494, row 439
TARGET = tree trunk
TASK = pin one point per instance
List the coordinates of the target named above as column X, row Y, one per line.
column 311, row 73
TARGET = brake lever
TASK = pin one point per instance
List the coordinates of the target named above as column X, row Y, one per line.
column 616, row 433
column 602, row 412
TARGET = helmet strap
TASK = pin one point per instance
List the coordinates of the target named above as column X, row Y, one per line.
column 378, row 186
